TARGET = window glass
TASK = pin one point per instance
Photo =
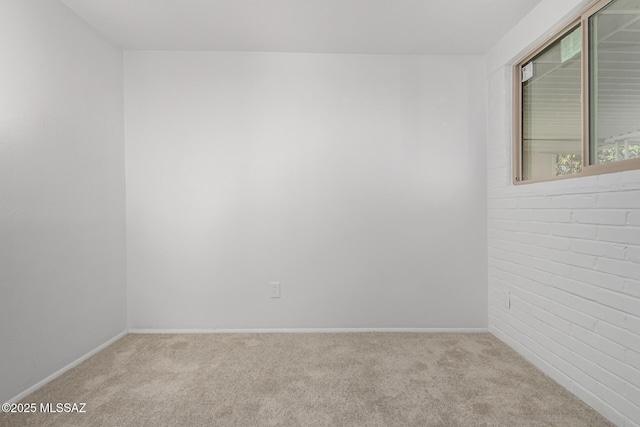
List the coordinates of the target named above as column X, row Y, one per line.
column 614, row 67
column 552, row 110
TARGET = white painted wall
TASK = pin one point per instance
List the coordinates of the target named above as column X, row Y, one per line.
column 62, row 214
column 569, row 254
column 356, row 181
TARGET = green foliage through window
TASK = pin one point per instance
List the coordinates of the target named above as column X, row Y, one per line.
column 567, row 164
column 608, row 154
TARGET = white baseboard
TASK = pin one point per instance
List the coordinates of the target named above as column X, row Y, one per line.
column 65, row 369
column 304, row 330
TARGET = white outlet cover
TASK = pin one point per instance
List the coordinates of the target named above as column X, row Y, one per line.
column 275, row 289
column 507, row 299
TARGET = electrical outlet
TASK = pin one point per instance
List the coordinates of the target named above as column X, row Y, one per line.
column 507, row 299
column 275, row 289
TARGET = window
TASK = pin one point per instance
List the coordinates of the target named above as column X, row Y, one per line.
column 577, row 97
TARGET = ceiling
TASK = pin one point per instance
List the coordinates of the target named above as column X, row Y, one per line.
column 316, row 26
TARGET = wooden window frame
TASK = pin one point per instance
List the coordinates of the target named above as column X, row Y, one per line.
column 588, row 169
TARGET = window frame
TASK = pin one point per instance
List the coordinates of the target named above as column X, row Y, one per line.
column 582, row 20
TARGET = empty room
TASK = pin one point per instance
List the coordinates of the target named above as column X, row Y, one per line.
column 320, row 213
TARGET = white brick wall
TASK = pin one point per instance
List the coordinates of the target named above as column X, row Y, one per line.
column 569, row 254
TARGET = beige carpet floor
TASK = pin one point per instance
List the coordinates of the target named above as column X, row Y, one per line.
column 344, row 379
